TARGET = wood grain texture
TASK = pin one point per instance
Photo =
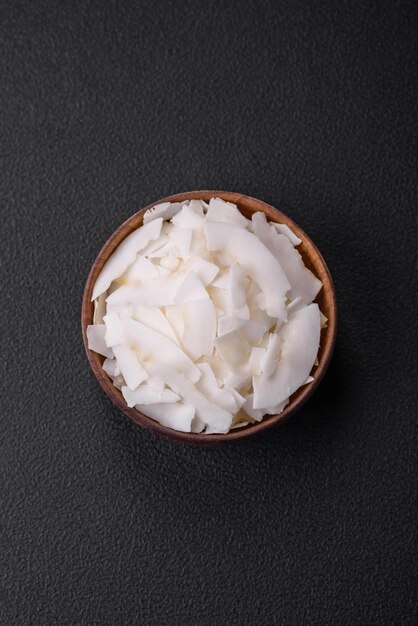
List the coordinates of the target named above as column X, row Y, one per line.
column 326, row 300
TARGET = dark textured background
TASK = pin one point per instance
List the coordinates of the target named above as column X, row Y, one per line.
column 106, row 106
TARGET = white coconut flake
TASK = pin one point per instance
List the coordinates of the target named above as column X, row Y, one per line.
column 144, row 394
column 237, row 276
column 204, row 270
column 270, row 359
column 155, row 383
column 96, row 340
column 233, row 349
column 199, row 328
column 131, row 369
column 251, row 331
column 191, row 216
column 177, row 416
column 300, row 343
column 178, row 244
column 222, row 280
column 197, row 425
column 140, row 270
column 239, row 380
column 152, row 317
column 114, row 332
column 165, row 210
column 279, row 408
column 156, row 245
column 283, row 229
column 303, row 283
column 111, row 367
column 205, row 317
column 125, row 254
column 190, row 290
column 220, row 299
column 253, row 256
column 219, row 367
column 217, row 419
column 221, row 211
column 207, row 383
column 248, row 407
column 99, row 308
column 174, row 315
column 158, row 292
column 254, row 362
column 118, row 382
column 169, row 262
column 153, row 347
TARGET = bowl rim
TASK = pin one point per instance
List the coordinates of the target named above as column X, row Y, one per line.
column 95, row 360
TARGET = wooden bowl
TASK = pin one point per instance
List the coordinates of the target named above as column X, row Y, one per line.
column 325, row 299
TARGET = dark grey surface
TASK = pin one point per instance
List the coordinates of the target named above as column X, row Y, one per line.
column 106, row 106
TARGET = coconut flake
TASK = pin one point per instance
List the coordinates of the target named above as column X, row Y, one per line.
column 96, row 340
column 217, row 419
column 190, row 290
column 99, row 308
column 204, row 270
column 300, row 343
column 114, row 332
column 118, row 382
column 222, row 280
column 219, row 367
column 190, row 216
column 237, row 276
column 275, row 410
column 199, row 327
column 303, row 283
column 238, row 380
column 165, row 210
column 220, row 299
column 207, row 383
column 178, row 244
column 233, row 349
column 253, row 256
column 155, row 383
column 170, row 262
column 226, row 400
column 153, row 347
column 177, row 416
column 197, row 425
column 248, row 407
column 156, row 245
column 125, row 254
column 131, row 369
column 174, row 315
column 251, row 331
column 254, row 362
column 152, row 317
column 111, row 367
column 283, row 229
column 140, row 270
column 269, row 361
column 221, row 211
column 144, row 394
column 158, row 292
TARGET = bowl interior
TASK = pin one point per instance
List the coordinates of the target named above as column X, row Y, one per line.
column 325, row 299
